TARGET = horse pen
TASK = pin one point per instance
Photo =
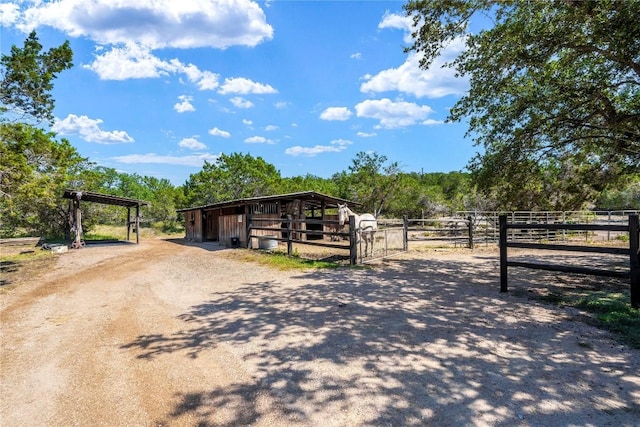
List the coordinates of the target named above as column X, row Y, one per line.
column 179, row 332
column 346, row 237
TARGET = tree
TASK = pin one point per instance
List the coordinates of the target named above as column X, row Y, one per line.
column 27, row 78
column 551, row 84
column 34, row 170
column 370, row 181
column 230, row 177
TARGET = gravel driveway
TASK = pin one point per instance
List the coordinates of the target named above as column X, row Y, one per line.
column 167, row 333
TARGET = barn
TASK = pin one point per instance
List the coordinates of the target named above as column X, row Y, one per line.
column 226, row 222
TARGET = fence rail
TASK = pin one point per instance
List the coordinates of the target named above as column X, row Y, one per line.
column 387, row 240
column 633, row 251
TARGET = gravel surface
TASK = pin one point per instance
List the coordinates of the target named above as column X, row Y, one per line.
column 172, row 334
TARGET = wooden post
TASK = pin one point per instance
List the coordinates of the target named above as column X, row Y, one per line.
column 503, row 253
column 470, row 225
column 405, row 233
column 128, row 223
column 137, row 224
column 248, row 225
column 353, row 244
column 634, row 261
column 289, row 235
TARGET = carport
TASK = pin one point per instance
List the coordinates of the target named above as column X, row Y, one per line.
column 75, row 214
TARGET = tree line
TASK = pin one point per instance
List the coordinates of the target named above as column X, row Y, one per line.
column 554, row 104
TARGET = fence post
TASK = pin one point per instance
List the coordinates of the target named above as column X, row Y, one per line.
column 503, row 253
column 353, row 245
column 405, row 233
column 470, row 225
column 289, row 235
column 634, row 262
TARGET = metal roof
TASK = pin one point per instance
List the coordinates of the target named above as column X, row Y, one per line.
column 104, row 199
column 312, row 198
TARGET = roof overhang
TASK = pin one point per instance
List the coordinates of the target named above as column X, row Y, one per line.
column 104, row 199
column 311, row 198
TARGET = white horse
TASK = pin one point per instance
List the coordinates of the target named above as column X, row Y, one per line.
column 366, row 226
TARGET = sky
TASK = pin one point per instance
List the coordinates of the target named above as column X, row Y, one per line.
column 158, row 87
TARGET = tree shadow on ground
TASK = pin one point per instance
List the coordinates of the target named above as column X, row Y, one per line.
column 411, row 342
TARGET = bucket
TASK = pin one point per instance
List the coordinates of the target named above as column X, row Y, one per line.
column 265, row 242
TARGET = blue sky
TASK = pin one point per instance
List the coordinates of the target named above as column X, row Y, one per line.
column 160, row 86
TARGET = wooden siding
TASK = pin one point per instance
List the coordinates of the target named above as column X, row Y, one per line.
column 193, row 225
column 232, row 226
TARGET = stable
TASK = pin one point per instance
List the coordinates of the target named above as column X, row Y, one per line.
column 75, row 215
column 226, row 222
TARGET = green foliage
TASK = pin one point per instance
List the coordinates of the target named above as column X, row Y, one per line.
column 34, row 170
column 233, row 176
column 625, row 196
column 554, row 94
column 27, row 76
column 308, row 182
column 371, row 181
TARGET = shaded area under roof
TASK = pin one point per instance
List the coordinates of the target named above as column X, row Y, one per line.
column 311, row 198
column 104, row 199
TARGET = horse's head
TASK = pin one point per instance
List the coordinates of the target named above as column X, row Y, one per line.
column 343, row 214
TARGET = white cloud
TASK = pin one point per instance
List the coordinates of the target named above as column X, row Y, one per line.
column 9, row 14
column 356, row 55
column 258, row 140
column 154, row 23
column 134, row 61
column 336, row 113
column 270, row 128
column 366, row 134
column 240, row 102
column 89, row 130
column 393, row 114
column 185, row 104
column 281, row 104
column 337, row 145
column 195, row 160
column 205, row 80
column 436, row 82
column 218, row 132
column 398, row 22
column 247, row 122
column 243, row 86
column 409, row 78
column 192, row 144
column 130, row 61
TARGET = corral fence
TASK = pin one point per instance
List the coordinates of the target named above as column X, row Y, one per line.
column 471, row 228
column 633, row 251
column 264, row 232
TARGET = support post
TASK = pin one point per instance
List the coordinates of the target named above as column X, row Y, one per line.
column 353, row 244
column 503, row 253
column 289, row 235
column 470, row 226
column 405, row 233
column 248, row 228
column 634, row 261
column 128, row 224
column 137, row 224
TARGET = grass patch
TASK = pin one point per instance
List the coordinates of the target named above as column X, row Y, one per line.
column 24, row 266
column 614, row 313
column 282, row 261
column 610, row 310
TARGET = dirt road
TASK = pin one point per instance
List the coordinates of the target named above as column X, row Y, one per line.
column 164, row 333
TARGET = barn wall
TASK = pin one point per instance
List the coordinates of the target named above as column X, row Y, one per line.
column 193, row 225
column 230, row 226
